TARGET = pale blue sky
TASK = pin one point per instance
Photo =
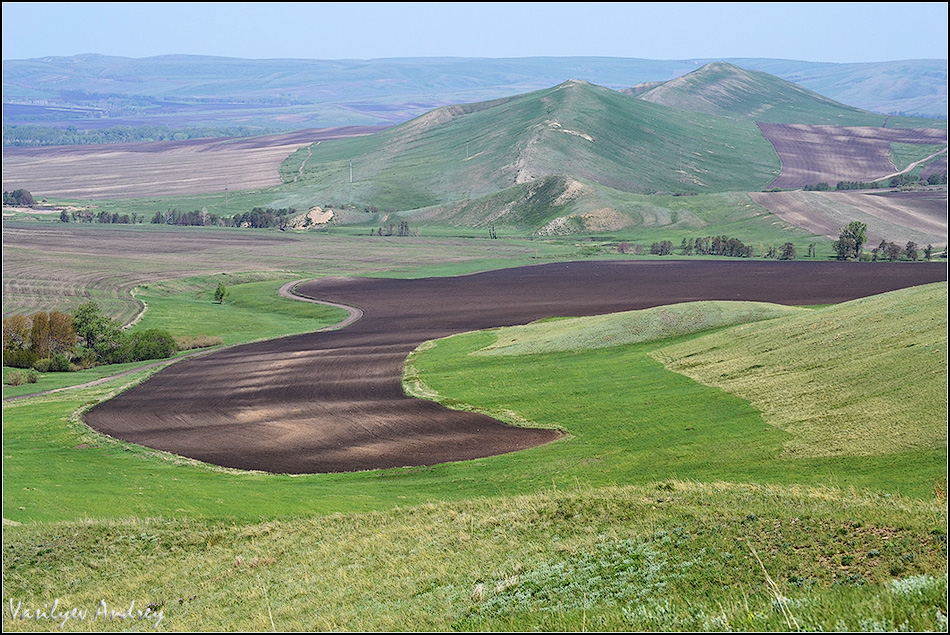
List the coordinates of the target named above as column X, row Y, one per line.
column 819, row 32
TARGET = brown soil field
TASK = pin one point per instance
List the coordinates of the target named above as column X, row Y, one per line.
column 158, row 168
column 333, row 401
column 829, row 154
column 937, row 167
column 919, row 216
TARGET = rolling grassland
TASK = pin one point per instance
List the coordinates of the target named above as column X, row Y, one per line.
column 671, row 505
column 718, row 465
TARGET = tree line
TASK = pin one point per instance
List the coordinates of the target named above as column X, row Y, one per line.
column 259, row 218
column 900, row 180
column 852, row 238
column 40, row 136
column 88, row 216
column 713, row 246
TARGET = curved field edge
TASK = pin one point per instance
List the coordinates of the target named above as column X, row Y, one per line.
column 865, row 377
column 632, row 418
column 669, row 556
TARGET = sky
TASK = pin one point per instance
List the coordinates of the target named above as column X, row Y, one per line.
column 806, row 31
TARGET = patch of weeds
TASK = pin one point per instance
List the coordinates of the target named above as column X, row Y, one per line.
column 916, row 585
column 616, row 572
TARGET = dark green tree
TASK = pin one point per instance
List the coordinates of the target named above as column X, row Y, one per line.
column 851, row 240
column 220, row 293
column 100, row 334
column 911, row 251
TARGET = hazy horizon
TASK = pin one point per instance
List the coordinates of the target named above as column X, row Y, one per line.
column 813, row 32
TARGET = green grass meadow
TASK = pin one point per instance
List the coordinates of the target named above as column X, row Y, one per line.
column 672, row 503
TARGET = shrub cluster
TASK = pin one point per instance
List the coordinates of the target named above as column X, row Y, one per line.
column 60, row 342
column 20, row 377
column 258, row 218
column 20, row 198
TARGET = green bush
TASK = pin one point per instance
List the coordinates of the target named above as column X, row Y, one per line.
column 16, row 378
column 20, row 358
column 85, row 358
column 55, row 364
column 149, row 344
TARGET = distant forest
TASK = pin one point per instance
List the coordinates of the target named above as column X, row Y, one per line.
column 37, row 136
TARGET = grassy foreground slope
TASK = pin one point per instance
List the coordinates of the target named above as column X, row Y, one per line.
column 670, row 507
column 674, row 556
column 864, row 377
column 630, row 327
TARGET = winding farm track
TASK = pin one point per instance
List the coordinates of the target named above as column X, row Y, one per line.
column 333, row 401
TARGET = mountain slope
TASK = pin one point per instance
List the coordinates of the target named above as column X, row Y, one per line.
column 575, row 129
column 727, row 90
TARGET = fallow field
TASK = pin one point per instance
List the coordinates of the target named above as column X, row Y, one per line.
column 815, row 154
column 160, row 168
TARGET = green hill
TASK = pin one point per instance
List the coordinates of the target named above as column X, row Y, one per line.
column 723, row 89
column 576, row 129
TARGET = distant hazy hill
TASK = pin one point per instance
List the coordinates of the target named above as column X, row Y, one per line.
column 724, row 89
column 94, row 91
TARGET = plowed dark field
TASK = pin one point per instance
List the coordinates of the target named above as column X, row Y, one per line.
column 333, row 401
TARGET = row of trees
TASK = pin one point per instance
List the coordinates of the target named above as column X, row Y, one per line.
column 893, row 252
column 57, row 341
column 851, row 240
column 87, row 216
column 258, row 217
column 402, row 229
column 714, row 246
column 901, row 180
column 38, row 136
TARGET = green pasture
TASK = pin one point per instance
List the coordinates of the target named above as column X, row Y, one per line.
column 251, row 311
column 904, row 154
column 867, row 377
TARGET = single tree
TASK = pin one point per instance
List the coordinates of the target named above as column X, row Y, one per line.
column 894, row 252
column 910, row 250
column 851, row 240
column 220, row 293
column 787, row 252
